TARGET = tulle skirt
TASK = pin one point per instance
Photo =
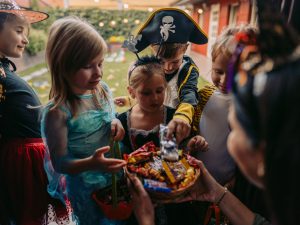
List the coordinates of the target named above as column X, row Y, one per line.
column 23, row 185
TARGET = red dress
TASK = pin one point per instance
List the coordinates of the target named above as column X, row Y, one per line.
column 23, row 190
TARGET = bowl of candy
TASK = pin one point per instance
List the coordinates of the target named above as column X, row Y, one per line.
column 165, row 170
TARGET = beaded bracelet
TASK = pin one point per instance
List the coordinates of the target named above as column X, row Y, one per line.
column 223, row 195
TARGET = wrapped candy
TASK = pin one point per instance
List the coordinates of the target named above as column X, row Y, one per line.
column 167, row 174
column 168, row 147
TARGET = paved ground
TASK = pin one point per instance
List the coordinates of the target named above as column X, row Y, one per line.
column 203, row 63
column 27, row 61
column 37, row 73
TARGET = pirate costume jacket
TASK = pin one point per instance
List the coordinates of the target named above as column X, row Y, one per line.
column 183, row 90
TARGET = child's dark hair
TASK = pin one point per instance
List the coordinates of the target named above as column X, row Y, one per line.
column 168, row 50
column 3, row 18
column 144, row 68
column 147, row 60
column 8, row 17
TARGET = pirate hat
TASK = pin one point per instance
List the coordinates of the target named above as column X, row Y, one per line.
column 10, row 6
column 169, row 25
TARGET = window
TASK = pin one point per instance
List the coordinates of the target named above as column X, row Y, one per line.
column 213, row 26
column 253, row 19
column 200, row 20
column 234, row 8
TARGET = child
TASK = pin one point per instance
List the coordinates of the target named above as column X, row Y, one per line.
column 168, row 31
column 23, row 192
column 79, row 120
column 147, row 86
column 210, row 119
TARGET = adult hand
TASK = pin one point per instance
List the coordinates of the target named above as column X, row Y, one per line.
column 100, row 162
column 197, row 143
column 143, row 207
column 180, row 128
column 206, row 188
column 117, row 130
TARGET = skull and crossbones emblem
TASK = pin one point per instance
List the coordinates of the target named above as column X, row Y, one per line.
column 167, row 26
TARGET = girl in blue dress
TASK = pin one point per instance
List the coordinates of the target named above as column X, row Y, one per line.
column 79, row 120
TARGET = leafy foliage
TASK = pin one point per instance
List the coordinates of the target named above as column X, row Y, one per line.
column 125, row 23
column 37, row 41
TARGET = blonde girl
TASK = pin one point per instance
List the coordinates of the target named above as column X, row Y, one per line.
column 79, row 120
column 147, row 85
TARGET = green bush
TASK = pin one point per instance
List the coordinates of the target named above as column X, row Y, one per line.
column 95, row 16
column 37, row 41
column 121, row 29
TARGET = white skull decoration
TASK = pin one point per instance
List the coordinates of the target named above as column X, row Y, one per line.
column 167, row 26
column 167, row 21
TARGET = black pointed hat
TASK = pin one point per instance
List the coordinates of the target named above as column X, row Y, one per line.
column 169, row 25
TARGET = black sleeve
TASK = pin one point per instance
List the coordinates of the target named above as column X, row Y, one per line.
column 188, row 92
column 170, row 114
column 125, row 143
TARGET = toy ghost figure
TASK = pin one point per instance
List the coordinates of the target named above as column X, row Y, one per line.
column 167, row 26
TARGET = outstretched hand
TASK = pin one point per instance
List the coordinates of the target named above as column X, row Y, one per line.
column 100, row 162
column 117, row 130
column 197, row 143
column 120, row 101
column 180, row 128
column 143, row 207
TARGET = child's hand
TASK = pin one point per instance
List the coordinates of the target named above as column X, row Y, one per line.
column 100, row 162
column 117, row 130
column 180, row 127
column 120, row 101
column 197, row 143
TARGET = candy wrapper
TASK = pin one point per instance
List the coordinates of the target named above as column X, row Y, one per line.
column 164, row 180
column 168, row 147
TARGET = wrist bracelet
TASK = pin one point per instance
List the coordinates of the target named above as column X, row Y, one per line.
column 222, row 196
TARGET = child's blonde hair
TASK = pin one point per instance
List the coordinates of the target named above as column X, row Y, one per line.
column 143, row 69
column 72, row 44
column 224, row 40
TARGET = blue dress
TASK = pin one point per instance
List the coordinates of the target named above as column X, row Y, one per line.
column 88, row 131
